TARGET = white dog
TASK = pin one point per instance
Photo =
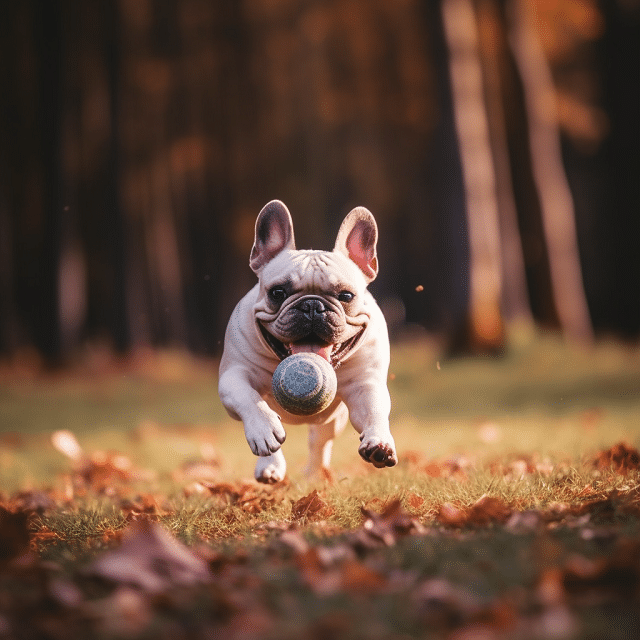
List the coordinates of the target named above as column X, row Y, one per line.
column 310, row 301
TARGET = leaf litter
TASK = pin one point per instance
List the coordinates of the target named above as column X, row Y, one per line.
column 237, row 559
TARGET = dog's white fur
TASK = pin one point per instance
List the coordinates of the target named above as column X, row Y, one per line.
column 248, row 361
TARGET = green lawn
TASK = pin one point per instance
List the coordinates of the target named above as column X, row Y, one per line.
column 509, row 515
column 543, row 397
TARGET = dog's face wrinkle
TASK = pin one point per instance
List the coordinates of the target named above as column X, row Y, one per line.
column 295, row 325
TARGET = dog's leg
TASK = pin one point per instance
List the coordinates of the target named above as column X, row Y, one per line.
column 262, row 426
column 369, row 416
column 271, row 469
column 321, row 440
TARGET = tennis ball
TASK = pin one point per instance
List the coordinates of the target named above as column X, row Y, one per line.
column 304, row 384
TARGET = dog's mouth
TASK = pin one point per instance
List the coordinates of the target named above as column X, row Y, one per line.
column 333, row 353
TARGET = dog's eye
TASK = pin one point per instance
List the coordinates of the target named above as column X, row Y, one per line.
column 278, row 294
column 346, row 296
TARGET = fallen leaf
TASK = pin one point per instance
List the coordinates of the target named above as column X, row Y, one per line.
column 453, row 468
column 451, row 515
column 294, row 540
column 488, row 509
column 484, row 511
column 250, row 497
column 621, row 457
column 356, row 576
column 147, row 505
column 310, row 506
column 151, row 559
column 390, row 524
column 550, row 588
column 443, row 605
column 125, row 613
column 414, row 500
column 34, row 501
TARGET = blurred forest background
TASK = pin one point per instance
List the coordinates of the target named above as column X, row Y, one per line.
column 496, row 142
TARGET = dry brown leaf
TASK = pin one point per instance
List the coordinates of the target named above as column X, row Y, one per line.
column 550, row 588
column 34, row 501
column 390, row 524
column 310, row 506
column 356, row 576
column 488, row 509
column 251, row 497
column 151, row 559
column 484, row 511
column 621, row 457
column 451, row 515
column 451, row 468
column 414, row 500
column 146, row 506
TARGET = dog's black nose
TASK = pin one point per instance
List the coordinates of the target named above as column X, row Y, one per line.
column 312, row 307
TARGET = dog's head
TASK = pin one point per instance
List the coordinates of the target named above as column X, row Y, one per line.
column 313, row 300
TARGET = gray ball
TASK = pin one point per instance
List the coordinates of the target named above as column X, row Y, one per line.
column 304, row 384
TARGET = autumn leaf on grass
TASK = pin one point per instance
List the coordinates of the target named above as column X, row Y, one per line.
column 329, row 571
column 484, row 511
column 100, row 470
column 387, row 526
column 488, row 509
column 414, row 501
column 453, row 468
column 250, row 497
column 621, row 457
column 148, row 506
column 151, row 559
column 358, row 577
column 310, row 507
column 451, row 515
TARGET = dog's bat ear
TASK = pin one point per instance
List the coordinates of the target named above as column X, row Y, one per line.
column 274, row 234
column 357, row 239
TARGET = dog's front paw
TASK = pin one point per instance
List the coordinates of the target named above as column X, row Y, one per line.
column 378, row 452
column 271, row 469
column 265, row 436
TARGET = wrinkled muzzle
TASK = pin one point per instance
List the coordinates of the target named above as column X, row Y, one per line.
column 312, row 324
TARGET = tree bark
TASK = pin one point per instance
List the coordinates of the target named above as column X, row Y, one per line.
column 556, row 201
column 485, row 317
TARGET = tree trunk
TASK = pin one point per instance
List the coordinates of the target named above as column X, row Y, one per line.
column 516, row 307
column 556, row 202
column 485, row 317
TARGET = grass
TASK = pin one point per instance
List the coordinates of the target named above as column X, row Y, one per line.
column 546, row 398
column 523, row 429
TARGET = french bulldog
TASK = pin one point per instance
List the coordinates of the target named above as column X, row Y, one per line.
column 310, row 301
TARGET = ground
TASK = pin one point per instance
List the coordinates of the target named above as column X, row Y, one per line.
column 128, row 510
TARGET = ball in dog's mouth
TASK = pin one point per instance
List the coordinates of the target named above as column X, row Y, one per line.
column 304, row 383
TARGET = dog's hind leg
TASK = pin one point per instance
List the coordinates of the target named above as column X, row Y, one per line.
column 321, row 440
column 271, row 469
